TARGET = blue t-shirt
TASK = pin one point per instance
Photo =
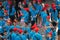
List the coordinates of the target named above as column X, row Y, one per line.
column 37, row 36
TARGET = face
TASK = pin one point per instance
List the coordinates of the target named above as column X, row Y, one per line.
column 38, row 2
column 59, row 15
column 8, row 22
column 0, row 5
column 14, row 23
column 0, row 18
column 5, row 33
column 34, row 2
column 59, row 5
column 2, row 8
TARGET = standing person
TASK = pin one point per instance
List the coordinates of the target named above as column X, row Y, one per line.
column 58, row 5
column 39, row 5
column 32, row 31
column 1, row 11
column 2, row 24
column 12, row 12
column 34, row 13
column 17, row 6
column 54, row 13
column 6, row 15
column 37, row 36
column 5, row 3
column 8, row 25
column 5, row 36
column 43, row 16
column 13, row 35
column 48, row 21
column 59, row 27
column 15, row 24
column 22, row 36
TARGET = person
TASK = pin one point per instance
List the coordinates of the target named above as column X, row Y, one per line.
column 27, row 27
column 48, row 21
column 32, row 31
column 8, row 26
column 2, row 24
column 53, row 28
column 11, row 13
column 34, row 13
column 25, row 14
column 59, row 26
column 43, row 16
column 37, row 36
column 1, row 11
column 15, row 24
column 58, row 5
column 5, row 36
column 22, row 36
column 13, row 35
column 5, row 3
column 54, row 12
column 6, row 15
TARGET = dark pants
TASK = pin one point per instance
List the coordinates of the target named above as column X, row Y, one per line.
column 12, row 17
column 58, row 32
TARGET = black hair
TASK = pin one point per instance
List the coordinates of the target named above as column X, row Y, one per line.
column 25, row 32
column 11, row 30
column 54, row 23
column 32, row 23
column 26, row 23
column 5, row 31
column 47, row 12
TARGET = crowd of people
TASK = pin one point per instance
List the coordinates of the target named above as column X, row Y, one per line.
column 29, row 20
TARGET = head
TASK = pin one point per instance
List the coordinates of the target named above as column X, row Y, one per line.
column 3, row 8
column 0, row 4
column 1, row 18
column 34, row 1
column 26, row 24
column 15, row 22
column 53, row 25
column 33, row 8
column 6, row 12
column 59, row 14
column 44, row 9
column 5, row 33
column 39, row 1
column 47, row 5
column 36, row 29
column 48, row 18
column 53, row 6
column 20, row 31
column 15, row 29
column 9, row 22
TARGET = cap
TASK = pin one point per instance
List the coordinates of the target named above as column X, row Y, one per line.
column 53, row 6
column 44, row 8
column 46, row 5
column 15, row 29
column 5, row 11
column 0, row 3
column 20, row 31
column 10, row 2
column 50, row 33
column 39, row 1
column 34, row 0
column 34, row 26
column 27, row 9
column 36, row 29
column 48, row 17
